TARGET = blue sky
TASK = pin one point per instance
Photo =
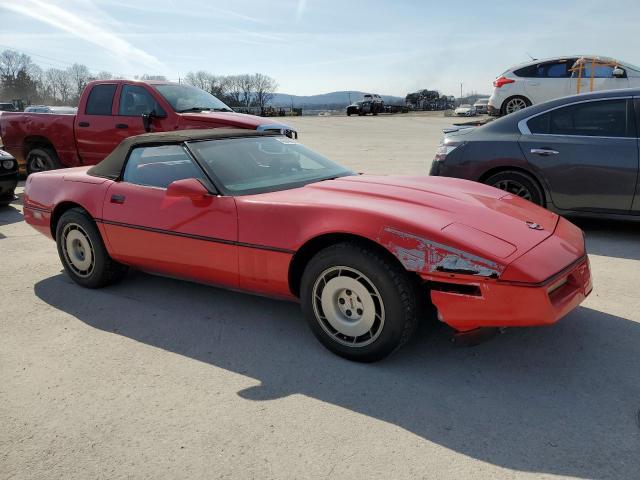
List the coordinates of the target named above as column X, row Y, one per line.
column 318, row 46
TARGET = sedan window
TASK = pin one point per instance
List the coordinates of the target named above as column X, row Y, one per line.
column 159, row 166
column 605, row 118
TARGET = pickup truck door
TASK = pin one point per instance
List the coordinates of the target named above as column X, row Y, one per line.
column 94, row 127
column 132, row 102
column 175, row 236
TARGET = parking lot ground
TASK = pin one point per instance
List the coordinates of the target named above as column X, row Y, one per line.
column 158, row 378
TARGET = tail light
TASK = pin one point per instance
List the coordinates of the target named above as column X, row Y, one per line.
column 499, row 82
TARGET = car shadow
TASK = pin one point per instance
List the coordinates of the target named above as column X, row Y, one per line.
column 611, row 238
column 559, row 400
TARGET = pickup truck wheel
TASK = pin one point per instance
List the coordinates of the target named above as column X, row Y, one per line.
column 359, row 304
column 82, row 251
column 42, row 159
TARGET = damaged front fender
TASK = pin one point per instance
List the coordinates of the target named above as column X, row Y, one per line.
column 422, row 255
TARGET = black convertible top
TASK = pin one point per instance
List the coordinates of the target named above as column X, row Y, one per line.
column 111, row 166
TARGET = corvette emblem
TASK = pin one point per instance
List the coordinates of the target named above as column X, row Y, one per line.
column 534, row 226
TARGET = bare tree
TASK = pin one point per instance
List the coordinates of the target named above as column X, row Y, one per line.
column 246, row 88
column 199, row 79
column 12, row 63
column 233, row 90
column 103, row 75
column 264, row 87
column 79, row 75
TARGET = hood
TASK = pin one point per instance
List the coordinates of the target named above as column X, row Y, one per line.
column 233, row 119
column 469, row 216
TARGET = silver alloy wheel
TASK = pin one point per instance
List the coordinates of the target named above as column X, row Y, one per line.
column 513, row 187
column 78, row 250
column 515, row 104
column 348, row 306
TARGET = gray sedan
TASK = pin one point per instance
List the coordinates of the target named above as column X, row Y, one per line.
column 576, row 155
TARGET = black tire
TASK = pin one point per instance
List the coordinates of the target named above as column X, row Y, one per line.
column 394, row 288
column 103, row 270
column 518, row 183
column 518, row 99
column 41, row 160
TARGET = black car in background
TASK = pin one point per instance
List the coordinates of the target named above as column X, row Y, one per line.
column 576, row 155
column 8, row 178
column 8, row 107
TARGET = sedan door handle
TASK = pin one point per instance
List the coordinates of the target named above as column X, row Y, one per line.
column 122, row 125
column 83, row 124
column 545, row 152
column 117, row 199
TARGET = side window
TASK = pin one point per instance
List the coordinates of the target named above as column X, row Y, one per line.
column 136, row 100
column 527, row 72
column 599, row 71
column 606, row 118
column 158, row 166
column 557, row 70
column 539, row 124
column 100, row 99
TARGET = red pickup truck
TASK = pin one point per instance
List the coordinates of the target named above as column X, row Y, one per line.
column 110, row 111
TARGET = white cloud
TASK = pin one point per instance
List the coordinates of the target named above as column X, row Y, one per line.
column 88, row 27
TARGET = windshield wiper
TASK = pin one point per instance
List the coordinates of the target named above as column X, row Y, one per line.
column 194, row 109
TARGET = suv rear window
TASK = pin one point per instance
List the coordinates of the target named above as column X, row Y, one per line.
column 100, row 99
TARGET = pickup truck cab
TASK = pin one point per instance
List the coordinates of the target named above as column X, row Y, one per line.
column 110, row 111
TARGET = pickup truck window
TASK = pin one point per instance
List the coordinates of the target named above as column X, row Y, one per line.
column 136, row 100
column 185, row 98
column 100, row 99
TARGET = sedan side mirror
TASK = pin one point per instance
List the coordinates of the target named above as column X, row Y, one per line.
column 618, row 72
column 188, row 187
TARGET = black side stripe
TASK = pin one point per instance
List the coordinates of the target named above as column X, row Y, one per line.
column 38, row 209
column 196, row 237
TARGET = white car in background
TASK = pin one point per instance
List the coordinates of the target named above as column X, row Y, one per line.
column 465, row 110
column 543, row 80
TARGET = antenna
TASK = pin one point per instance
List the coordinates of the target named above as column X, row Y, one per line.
column 531, row 57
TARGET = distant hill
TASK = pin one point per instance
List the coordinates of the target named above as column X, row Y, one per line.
column 327, row 100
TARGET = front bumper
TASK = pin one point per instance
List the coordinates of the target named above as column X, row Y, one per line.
column 509, row 304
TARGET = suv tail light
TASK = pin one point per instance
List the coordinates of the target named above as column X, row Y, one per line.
column 498, row 82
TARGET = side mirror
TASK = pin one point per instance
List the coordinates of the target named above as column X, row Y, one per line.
column 147, row 120
column 188, row 187
column 618, row 72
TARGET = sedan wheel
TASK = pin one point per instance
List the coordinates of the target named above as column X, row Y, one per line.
column 517, row 183
column 360, row 303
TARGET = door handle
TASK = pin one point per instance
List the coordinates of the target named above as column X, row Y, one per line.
column 83, row 124
column 545, row 152
column 122, row 125
column 119, row 199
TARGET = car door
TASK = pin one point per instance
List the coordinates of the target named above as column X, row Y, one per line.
column 133, row 101
column 603, row 79
column 548, row 81
column 635, row 208
column 176, row 236
column 587, row 153
column 94, row 124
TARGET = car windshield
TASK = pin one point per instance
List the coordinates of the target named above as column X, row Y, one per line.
column 186, row 98
column 260, row 164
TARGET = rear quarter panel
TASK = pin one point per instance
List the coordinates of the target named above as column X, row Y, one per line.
column 16, row 128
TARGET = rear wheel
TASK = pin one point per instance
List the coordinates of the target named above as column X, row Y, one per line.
column 517, row 183
column 359, row 304
column 513, row 104
column 42, row 159
column 83, row 253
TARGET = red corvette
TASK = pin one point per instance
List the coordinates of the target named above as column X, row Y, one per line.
column 365, row 255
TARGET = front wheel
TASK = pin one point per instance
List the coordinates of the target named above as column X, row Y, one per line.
column 517, row 183
column 359, row 304
column 82, row 251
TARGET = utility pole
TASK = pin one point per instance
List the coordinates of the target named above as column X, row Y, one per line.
column 461, row 91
